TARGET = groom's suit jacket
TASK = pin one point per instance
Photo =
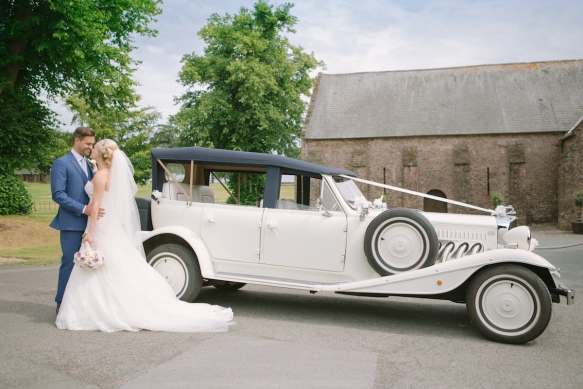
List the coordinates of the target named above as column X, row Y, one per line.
column 68, row 190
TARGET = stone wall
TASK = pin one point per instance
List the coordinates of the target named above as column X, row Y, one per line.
column 522, row 166
column 570, row 179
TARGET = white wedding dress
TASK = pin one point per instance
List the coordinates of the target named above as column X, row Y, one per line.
column 127, row 294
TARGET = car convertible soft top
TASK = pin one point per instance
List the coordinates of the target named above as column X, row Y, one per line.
column 276, row 165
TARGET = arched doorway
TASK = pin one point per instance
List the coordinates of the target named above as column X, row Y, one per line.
column 430, row 205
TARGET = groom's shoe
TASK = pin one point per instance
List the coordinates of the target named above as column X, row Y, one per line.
column 57, row 311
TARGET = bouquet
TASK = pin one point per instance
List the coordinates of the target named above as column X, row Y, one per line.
column 88, row 259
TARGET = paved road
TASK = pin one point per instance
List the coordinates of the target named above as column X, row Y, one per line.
column 290, row 339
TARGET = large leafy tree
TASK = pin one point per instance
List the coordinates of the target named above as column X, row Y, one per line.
column 246, row 91
column 53, row 48
column 132, row 129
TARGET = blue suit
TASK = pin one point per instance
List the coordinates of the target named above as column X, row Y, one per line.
column 68, row 190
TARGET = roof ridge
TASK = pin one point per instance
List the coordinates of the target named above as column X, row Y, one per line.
column 555, row 62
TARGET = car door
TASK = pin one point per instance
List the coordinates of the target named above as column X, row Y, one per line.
column 232, row 232
column 304, row 238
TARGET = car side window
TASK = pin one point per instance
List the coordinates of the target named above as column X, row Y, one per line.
column 329, row 201
column 287, row 194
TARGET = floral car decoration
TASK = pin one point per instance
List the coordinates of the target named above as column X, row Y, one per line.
column 313, row 229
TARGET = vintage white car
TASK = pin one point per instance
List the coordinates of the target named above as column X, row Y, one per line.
column 325, row 237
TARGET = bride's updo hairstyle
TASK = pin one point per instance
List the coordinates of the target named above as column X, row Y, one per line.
column 106, row 147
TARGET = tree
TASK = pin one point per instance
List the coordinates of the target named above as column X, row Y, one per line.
column 131, row 129
column 252, row 82
column 166, row 135
column 57, row 47
column 27, row 128
column 245, row 93
column 14, row 198
column 59, row 145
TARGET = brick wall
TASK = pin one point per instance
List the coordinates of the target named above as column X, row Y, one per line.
column 570, row 178
column 522, row 166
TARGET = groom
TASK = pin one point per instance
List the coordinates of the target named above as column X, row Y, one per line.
column 69, row 174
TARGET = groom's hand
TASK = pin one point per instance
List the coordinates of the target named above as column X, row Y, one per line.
column 100, row 213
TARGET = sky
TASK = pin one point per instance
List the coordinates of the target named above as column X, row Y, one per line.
column 370, row 35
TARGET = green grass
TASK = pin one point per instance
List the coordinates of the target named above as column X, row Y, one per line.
column 44, row 205
column 41, row 195
column 29, row 238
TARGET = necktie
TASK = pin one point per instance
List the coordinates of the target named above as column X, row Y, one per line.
column 83, row 166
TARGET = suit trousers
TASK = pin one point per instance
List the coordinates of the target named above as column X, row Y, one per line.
column 70, row 244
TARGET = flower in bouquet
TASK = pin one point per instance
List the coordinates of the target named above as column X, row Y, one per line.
column 87, row 258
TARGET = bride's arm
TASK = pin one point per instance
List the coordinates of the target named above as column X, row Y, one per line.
column 99, row 182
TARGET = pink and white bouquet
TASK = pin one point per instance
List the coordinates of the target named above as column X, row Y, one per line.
column 87, row 258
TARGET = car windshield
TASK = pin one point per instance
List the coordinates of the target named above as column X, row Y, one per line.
column 348, row 189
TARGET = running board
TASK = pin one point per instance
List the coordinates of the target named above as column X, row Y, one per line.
column 272, row 281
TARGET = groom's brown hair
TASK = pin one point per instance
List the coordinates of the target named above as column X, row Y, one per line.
column 82, row 132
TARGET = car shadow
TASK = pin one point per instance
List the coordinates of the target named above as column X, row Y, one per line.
column 398, row 315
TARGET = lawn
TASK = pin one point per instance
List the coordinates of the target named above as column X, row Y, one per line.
column 30, row 238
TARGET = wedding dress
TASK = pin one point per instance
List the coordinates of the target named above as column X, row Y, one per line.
column 125, row 293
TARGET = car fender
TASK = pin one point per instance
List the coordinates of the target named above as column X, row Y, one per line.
column 442, row 277
column 193, row 240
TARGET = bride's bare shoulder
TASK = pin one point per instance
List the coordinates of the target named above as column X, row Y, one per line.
column 100, row 178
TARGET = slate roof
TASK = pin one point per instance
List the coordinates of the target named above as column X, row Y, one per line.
column 491, row 99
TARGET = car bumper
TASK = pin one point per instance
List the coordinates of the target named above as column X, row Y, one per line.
column 562, row 290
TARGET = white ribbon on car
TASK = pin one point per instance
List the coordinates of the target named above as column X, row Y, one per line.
column 496, row 212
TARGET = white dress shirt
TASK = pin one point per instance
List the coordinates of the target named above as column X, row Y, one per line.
column 83, row 164
column 81, row 160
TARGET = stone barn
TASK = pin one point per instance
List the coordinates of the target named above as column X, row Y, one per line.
column 458, row 133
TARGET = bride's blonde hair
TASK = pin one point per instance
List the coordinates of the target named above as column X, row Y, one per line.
column 106, row 147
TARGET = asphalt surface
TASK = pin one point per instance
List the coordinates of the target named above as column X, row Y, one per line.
column 291, row 339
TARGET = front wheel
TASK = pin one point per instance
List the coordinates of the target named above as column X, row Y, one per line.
column 509, row 304
column 179, row 267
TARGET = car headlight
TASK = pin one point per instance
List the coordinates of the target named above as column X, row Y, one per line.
column 518, row 238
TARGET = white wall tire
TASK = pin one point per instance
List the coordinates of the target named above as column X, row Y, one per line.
column 400, row 240
column 179, row 267
column 509, row 304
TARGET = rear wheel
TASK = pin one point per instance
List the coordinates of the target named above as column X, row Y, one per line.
column 179, row 267
column 509, row 304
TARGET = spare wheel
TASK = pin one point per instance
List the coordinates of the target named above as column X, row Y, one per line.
column 399, row 240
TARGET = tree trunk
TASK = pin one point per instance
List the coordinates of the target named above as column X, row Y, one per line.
column 22, row 13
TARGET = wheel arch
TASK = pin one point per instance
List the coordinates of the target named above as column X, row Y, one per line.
column 182, row 236
column 458, row 294
column 161, row 239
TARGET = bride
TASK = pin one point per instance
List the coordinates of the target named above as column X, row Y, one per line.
column 125, row 293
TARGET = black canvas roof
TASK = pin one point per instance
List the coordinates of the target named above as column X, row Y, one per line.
column 243, row 158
